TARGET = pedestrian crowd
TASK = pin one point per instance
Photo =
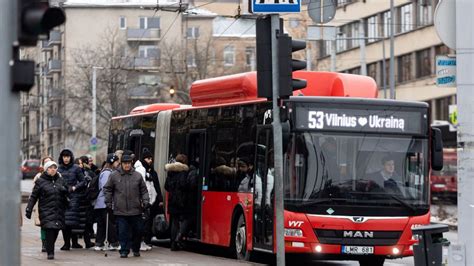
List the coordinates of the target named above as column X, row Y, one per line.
column 122, row 197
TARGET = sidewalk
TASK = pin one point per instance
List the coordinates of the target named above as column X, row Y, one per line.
column 31, row 254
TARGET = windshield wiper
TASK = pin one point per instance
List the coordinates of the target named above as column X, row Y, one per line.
column 404, row 203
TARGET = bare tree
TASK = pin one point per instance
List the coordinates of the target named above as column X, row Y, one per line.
column 111, row 84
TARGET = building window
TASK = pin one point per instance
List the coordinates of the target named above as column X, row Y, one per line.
column 425, row 13
column 123, row 23
column 192, row 33
column 343, row 2
column 442, row 50
column 149, row 23
column 149, row 80
column 341, row 44
column 324, row 48
column 404, row 68
column 406, row 18
column 148, row 51
column 372, row 71
column 229, row 55
column 191, row 60
column 250, row 56
column 423, row 63
column 355, row 71
column 372, row 32
column 387, row 21
column 354, row 27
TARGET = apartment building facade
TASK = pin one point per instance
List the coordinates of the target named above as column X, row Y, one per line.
column 415, row 49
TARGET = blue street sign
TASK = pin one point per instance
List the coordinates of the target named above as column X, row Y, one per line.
column 93, row 141
column 276, row 6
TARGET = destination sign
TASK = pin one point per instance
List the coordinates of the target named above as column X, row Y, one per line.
column 384, row 121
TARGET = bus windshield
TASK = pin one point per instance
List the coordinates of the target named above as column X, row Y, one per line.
column 367, row 170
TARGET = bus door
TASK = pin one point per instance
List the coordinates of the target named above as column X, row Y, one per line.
column 263, row 190
column 196, row 143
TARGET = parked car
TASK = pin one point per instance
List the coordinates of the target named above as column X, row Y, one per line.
column 444, row 183
column 29, row 168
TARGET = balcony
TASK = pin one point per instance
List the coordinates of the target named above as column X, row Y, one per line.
column 33, row 103
column 34, row 139
column 54, row 122
column 54, row 37
column 55, row 94
column 145, row 63
column 45, row 46
column 143, row 35
column 54, row 66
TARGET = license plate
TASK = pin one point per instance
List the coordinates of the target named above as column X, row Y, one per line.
column 357, row 250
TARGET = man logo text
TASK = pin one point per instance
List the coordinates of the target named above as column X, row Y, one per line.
column 359, row 234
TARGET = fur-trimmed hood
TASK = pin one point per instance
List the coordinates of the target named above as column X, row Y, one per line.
column 176, row 167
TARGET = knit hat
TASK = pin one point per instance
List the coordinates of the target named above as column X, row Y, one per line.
column 111, row 158
column 147, row 154
column 49, row 164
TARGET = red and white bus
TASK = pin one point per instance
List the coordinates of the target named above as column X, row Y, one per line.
column 337, row 136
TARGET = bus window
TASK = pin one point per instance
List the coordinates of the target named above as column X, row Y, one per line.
column 148, row 125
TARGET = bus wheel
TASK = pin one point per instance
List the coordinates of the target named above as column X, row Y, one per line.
column 372, row 261
column 239, row 240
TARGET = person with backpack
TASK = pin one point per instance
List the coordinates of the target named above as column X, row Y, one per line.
column 96, row 193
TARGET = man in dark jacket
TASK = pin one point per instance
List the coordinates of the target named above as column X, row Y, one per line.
column 126, row 193
column 74, row 178
column 51, row 191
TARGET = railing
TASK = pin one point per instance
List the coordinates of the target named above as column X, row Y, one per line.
column 146, row 62
column 54, row 37
column 143, row 34
column 55, row 94
column 54, row 65
column 54, row 122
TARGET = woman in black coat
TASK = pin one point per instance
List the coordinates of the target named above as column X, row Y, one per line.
column 177, row 186
column 74, row 178
column 51, row 191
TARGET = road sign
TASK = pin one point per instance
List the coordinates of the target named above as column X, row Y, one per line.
column 276, row 6
column 316, row 33
column 445, row 22
column 445, row 71
column 93, row 141
column 321, row 11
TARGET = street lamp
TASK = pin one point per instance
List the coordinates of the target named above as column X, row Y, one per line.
column 94, row 112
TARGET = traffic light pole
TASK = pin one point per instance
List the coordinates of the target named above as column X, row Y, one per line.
column 9, row 141
column 278, row 145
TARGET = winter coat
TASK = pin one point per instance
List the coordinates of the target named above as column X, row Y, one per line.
column 86, row 215
column 178, row 188
column 51, row 192
column 73, row 176
column 126, row 192
column 152, row 184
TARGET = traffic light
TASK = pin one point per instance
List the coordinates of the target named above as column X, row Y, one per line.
column 35, row 18
column 286, row 63
column 264, row 57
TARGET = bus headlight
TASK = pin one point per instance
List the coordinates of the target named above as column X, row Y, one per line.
column 293, row 232
column 395, row 251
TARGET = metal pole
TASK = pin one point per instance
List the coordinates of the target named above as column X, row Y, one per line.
column 10, row 142
column 94, row 109
column 384, row 67
column 333, row 55
column 392, row 48
column 363, row 65
column 278, row 144
column 465, row 92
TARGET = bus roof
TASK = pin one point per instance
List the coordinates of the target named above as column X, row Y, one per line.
column 243, row 87
column 150, row 108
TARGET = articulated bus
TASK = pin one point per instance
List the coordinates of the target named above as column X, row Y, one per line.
column 339, row 143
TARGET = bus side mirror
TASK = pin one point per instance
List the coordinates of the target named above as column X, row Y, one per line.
column 436, row 149
column 285, row 132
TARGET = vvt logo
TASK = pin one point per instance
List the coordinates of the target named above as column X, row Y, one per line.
column 296, row 223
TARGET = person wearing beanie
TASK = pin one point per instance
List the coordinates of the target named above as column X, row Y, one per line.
column 51, row 191
column 156, row 198
column 100, row 209
column 74, row 178
column 126, row 195
column 35, row 208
